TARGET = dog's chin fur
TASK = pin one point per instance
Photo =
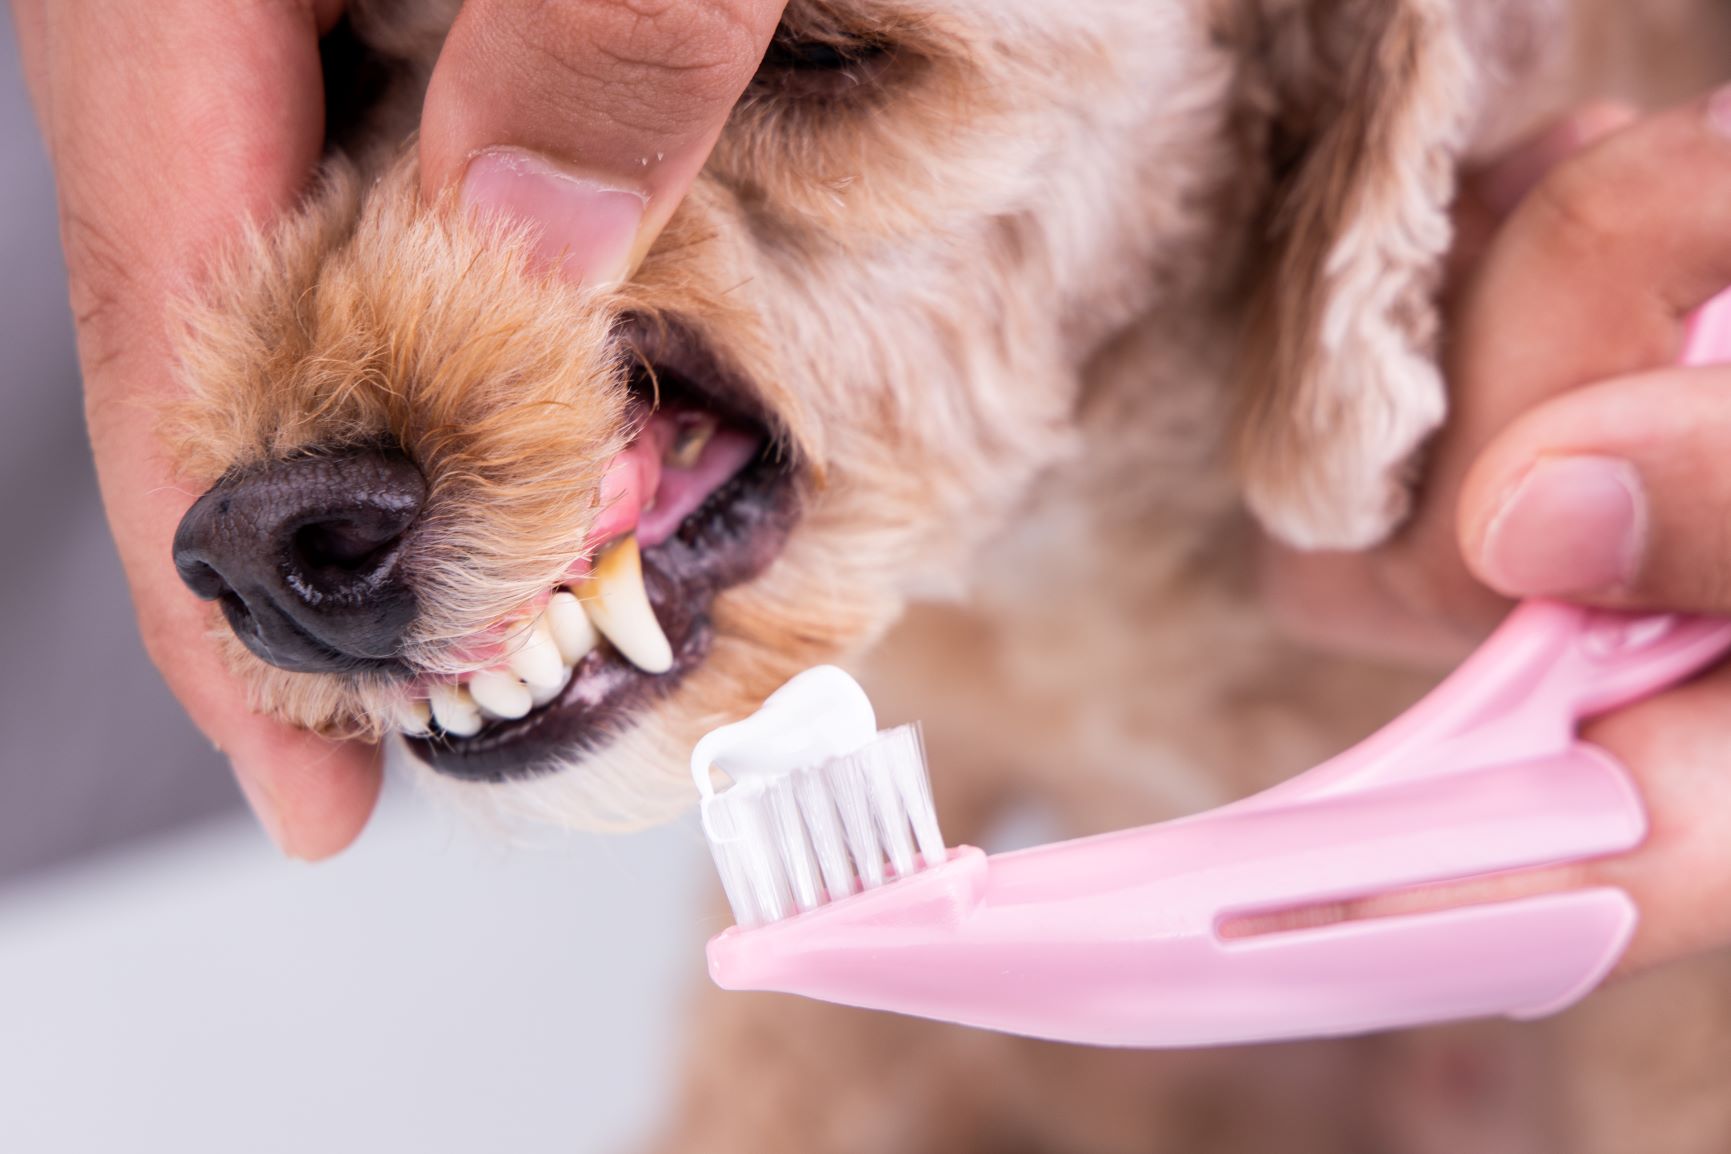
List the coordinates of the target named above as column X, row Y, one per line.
column 1056, row 318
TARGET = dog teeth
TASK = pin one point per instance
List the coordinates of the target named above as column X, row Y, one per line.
column 537, row 660
column 554, row 673
column 619, row 607
column 542, row 694
column 543, row 658
column 687, row 448
column 414, row 717
column 499, row 695
column 572, row 630
column 454, row 709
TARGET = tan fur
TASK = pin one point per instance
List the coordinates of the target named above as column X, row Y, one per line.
column 1046, row 318
column 1342, row 385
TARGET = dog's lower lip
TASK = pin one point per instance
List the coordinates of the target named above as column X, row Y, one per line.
column 729, row 539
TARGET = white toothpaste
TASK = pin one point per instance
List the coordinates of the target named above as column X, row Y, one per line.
column 817, row 804
column 820, row 715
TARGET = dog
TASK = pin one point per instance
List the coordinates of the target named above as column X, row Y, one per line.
column 991, row 340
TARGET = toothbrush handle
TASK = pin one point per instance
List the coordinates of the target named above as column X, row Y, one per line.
column 1115, row 940
column 1615, row 659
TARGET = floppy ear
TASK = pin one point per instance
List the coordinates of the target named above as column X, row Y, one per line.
column 1366, row 106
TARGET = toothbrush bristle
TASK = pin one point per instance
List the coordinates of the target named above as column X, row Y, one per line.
column 823, row 832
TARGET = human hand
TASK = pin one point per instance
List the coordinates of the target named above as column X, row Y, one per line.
column 1579, row 463
column 172, row 124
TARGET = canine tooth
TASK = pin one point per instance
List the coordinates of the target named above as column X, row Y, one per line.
column 687, row 448
column 619, row 607
column 454, row 709
column 500, row 695
column 536, row 659
column 414, row 716
column 573, row 632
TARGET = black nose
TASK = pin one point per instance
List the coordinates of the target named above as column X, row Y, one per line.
column 305, row 556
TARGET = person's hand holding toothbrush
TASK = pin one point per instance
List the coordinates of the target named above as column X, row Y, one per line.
column 1578, row 463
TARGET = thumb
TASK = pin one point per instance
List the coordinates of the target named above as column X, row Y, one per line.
column 588, row 119
column 1614, row 494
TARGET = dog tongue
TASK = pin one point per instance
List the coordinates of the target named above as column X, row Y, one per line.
column 682, row 490
column 644, row 493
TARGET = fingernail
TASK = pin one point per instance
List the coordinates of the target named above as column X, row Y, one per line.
column 264, row 808
column 1572, row 525
column 1719, row 111
column 584, row 227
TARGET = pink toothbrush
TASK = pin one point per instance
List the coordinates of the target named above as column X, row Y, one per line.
column 834, row 866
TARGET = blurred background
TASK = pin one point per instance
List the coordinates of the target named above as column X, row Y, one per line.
column 167, row 981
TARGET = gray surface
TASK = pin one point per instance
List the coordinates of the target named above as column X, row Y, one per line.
column 427, row 992
column 93, row 749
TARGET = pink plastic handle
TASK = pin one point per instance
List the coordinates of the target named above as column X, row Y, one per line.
column 1116, row 940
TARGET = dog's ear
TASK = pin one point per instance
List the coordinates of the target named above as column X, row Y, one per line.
column 1360, row 109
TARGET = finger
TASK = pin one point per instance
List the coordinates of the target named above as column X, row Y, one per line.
column 170, row 124
column 590, row 118
column 1617, row 494
column 313, row 796
column 1600, row 267
column 1491, row 193
column 1678, row 746
column 1506, row 182
column 29, row 21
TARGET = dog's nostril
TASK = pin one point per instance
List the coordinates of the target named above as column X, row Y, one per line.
column 350, row 551
column 342, row 545
column 305, row 556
